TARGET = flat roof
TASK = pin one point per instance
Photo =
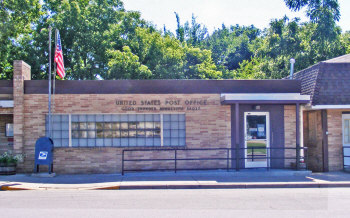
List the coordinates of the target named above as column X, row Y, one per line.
column 163, row 86
column 6, row 87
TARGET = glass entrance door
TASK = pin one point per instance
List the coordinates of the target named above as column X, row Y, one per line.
column 256, row 131
column 346, row 140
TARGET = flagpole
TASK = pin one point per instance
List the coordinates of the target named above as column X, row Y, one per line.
column 49, row 81
column 54, row 75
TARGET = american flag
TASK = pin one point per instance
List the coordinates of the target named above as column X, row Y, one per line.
column 59, row 57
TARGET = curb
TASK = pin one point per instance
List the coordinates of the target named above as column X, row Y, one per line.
column 12, row 188
column 239, row 186
column 188, row 186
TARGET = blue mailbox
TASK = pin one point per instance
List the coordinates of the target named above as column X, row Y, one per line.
column 43, row 153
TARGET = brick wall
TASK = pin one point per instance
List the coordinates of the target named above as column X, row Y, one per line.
column 21, row 72
column 207, row 127
column 335, row 142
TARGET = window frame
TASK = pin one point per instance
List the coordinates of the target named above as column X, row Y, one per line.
column 117, row 141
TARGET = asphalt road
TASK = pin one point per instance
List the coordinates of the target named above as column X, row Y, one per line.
column 317, row 202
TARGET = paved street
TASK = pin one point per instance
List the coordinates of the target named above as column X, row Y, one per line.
column 326, row 202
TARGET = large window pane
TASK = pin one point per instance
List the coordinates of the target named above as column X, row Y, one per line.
column 115, row 125
column 108, row 134
column 149, row 125
column 75, row 134
column 91, row 134
column 99, row 134
column 124, row 134
column 82, row 134
column 132, row 134
column 124, row 126
column 91, row 126
column 99, row 125
column 107, row 125
column 132, row 125
column 82, row 126
column 149, row 134
column 141, row 133
column 116, row 134
column 75, row 126
column 120, row 130
column 140, row 125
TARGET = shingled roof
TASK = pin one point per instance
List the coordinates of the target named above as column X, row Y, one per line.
column 341, row 59
column 327, row 82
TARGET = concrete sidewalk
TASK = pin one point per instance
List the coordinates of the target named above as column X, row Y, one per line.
column 252, row 178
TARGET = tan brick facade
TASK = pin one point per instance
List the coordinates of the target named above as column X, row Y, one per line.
column 289, row 134
column 335, row 141
column 207, row 126
column 21, row 72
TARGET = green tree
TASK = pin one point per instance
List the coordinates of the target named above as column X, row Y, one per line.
column 126, row 65
column 162, row 54
column 16, row 18
column 193, row 34
column 199, row 65
column 323, row 14
column 83, row 25
column 230, row 46
column 96, row 33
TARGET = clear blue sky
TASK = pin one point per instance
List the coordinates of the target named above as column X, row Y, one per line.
column 212, row 13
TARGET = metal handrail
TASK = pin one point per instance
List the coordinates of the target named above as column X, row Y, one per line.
column 227, row 158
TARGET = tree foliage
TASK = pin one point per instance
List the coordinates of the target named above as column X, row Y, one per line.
column 126, row 65
column 101, row 40
column 16, row 16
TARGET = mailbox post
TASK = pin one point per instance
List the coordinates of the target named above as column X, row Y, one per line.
column 43, row 154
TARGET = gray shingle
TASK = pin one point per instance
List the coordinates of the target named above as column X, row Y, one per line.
column 328, row 82
column 341, row 59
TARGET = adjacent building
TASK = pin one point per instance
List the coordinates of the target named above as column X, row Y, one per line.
column 326, row 118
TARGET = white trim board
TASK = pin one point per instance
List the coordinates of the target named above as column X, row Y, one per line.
column 316, row 107
column 264, row 96
column 6, row 103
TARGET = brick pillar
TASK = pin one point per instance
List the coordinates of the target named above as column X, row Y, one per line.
column 21, row 72
column 289, row 134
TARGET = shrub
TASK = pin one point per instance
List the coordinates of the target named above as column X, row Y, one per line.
column 9, row 158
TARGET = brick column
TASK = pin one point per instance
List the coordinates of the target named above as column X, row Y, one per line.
column 289, row 134
column 21, row 72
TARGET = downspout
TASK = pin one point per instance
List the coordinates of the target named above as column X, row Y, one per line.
column 297, row 108
column 292, row 61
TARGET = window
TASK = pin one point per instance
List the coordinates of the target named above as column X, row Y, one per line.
column 60, row 130
column 116, row 130
column 174, row 130
column 9, row 130
column 119, row 130
column 347, row 131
